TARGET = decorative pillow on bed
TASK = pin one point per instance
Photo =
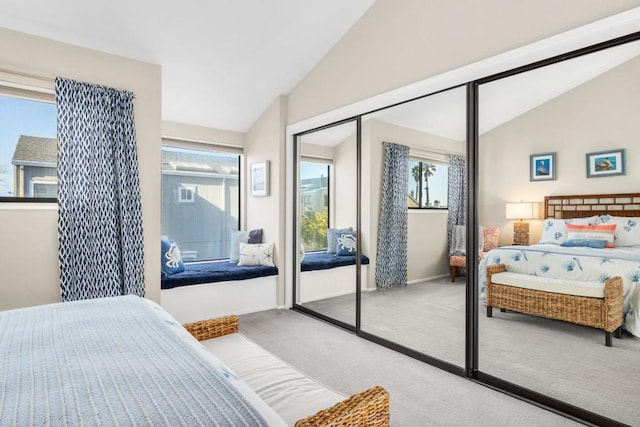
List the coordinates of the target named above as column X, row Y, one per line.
column 627, row 229
column 243, row 236
column 345, row 242
column 589, row 243
column 256, row 255
column 555, row 230
column 590, row 232
column 171, row 258
column 490, row 237
column 331, row 238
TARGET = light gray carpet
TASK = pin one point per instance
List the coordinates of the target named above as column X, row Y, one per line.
column 566, row 361
column 421, row 395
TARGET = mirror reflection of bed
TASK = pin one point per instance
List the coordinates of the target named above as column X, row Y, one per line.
column 584, row 105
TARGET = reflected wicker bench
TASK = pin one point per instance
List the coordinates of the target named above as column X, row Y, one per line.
column 598, row 312
column 368, row 408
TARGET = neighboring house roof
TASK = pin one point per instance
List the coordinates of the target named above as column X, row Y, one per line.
column 32, row 150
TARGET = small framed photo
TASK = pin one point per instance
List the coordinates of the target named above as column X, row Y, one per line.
column 605, row 163
column 260, row 179
column 542, row 167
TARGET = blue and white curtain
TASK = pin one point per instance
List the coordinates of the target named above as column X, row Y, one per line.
column 391, row 259
column 457, row 194
column 99, row 210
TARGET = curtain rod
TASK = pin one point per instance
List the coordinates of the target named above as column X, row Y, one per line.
column 427, row 150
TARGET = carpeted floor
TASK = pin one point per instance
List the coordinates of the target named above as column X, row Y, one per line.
column 421, row 395
column 566, row 361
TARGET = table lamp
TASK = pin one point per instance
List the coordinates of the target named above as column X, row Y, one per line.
column 521, row 211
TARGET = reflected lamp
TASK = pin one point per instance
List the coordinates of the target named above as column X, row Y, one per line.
column 521, row 211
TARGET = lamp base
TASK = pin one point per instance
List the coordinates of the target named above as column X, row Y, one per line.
column 521, row 233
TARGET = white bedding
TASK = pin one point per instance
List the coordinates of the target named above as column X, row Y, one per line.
column 575, row 263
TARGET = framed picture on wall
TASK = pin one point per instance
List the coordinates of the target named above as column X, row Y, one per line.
column 542, row 167
column 605, row 163
column 260, row 179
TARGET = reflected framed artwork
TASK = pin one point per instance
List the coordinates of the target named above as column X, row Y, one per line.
column 605, row 163
column 260, row 179
column 542, row 167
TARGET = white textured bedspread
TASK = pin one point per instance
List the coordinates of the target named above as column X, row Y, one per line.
column 109, row 361
column 574, row 263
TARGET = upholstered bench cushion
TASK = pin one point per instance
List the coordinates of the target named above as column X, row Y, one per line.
column 547, row 284
column 289, row 392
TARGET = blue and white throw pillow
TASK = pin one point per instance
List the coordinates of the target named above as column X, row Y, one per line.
column 555, row 230
column 345, row 242
column 256, row 255
column 243, row 236
column 627, row 229
column 171, row 258
column 331, row 238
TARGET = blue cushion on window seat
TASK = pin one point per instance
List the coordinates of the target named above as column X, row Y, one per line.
column 324, row 261
column 215, row 271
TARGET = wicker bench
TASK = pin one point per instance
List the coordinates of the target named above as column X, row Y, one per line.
column 599, row 306
column 368, row 408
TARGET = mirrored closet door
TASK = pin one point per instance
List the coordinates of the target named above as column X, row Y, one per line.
column 564, row 129
column 413, row 190
column 327, row 234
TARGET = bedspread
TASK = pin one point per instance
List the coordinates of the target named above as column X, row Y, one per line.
column 109, row 361
column 574, row 263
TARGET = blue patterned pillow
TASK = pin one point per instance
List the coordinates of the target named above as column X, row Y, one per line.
column 589, row 243
column 331, row 238
column 345, row 242
column 171, row 260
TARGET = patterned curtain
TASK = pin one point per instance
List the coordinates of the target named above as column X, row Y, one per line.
column 99, row 210
column 391, row 264
column 457, row 194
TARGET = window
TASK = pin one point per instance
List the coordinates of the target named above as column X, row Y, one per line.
column 314, row 209
column 186, row 194
column 28, row 148
column 428, row 184
column 200, row 201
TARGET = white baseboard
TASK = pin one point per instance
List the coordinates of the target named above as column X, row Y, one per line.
column 427, row 279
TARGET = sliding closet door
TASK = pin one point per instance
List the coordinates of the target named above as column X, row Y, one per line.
column 410, row 204
column 562, row 129
column 326, row 222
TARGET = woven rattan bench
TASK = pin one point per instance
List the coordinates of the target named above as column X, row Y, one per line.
column 598, row 312
column 368, row 408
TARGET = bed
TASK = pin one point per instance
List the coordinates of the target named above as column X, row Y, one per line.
column 580, row 263
column 120, row 360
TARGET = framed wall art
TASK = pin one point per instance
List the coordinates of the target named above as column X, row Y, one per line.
column 260, row 179
column 605, row 163
column 542, row 167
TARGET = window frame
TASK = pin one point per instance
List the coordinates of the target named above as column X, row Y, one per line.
column 420, row 161
column 31, row 93
column 188, row 144
column 329, row 165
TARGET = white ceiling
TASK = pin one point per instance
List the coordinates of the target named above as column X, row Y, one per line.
column 223, row 61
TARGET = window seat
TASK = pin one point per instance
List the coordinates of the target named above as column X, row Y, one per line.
column 215, row 271
column 325, row 261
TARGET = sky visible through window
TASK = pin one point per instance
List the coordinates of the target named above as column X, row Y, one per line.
column 21, row 117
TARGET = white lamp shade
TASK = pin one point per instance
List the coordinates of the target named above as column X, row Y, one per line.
column 522, row 210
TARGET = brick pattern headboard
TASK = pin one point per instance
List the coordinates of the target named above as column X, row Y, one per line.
column 579, row 206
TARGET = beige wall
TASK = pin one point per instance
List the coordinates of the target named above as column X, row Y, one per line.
column 343, row 203
column 427, row 231
column 599, row 115
column 202, row 134
column 266, row 141
column 398, row 42
column 29, row 251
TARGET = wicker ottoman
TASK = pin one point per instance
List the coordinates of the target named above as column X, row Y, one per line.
column 598, row 312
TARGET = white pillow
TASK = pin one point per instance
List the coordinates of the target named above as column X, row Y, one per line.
column 256, row 254
column 627, row 229
column 555, row 230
